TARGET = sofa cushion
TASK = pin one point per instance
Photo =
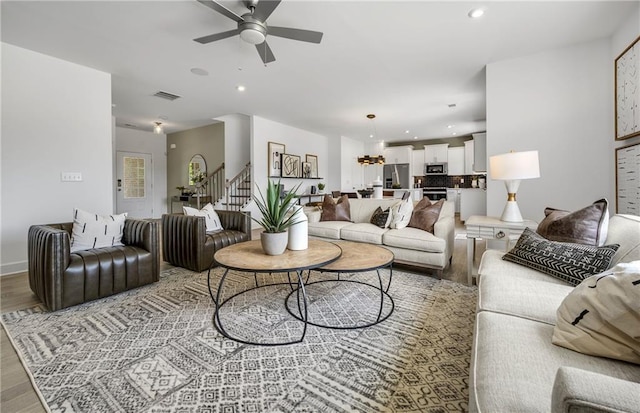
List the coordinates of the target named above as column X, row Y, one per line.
column 530, row 298
column 568, row 261
column 211, row 218
column 381, row 218
column 96, row 231
column 514, row 364
column 363, row 232
column 624, row 230
column 335, row 211
column 414, row 239
column 327, row 229
column 425, row 214
column 586, row 226
column 601, row 316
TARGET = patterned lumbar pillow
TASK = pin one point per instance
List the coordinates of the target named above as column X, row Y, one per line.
column 401, row 213
column 381, row 218
column 211, row 218
column 335, row 211
column 588, row 225
column 96, row 231
column 425, row 214
column 601, row 316
column 569, row 262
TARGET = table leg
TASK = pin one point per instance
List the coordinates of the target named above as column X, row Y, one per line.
column 304, row 298
column 471, row 249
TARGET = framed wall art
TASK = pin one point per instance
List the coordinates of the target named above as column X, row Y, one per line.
column 627, row 90
column 274, row 159
column 306, row 169
column 313, row 160
column 290, row 166
column 628, row 179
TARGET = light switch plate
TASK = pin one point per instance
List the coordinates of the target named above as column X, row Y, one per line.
column 71, row 176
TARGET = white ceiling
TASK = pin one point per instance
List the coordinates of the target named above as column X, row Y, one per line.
column 405, row 61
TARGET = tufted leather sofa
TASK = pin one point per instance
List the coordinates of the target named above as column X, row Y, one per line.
column 187, row 244
column 62, row 279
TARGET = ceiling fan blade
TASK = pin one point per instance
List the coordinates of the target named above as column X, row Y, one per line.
column 218, row 36
column 265, row 52
column 221, row 9
column 295, row 34
column 265, row 8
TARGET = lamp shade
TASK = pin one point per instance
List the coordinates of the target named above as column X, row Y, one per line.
column 515, row 165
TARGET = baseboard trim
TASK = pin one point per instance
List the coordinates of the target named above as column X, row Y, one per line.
column 13, row 268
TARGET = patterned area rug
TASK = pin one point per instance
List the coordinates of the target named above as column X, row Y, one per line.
column 155, row 349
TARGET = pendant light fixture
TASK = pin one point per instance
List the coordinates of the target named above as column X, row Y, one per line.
column 371, row 160
column 158, row 129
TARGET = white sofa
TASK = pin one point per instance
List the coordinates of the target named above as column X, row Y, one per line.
column 409, row 245
column 514, row 365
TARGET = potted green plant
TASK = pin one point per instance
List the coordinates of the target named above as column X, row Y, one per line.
column 276, row 217
column 321, row 187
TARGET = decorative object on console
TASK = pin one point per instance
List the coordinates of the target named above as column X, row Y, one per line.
column 274, row 164
column 511, row 168
column 566, row 261
column 96, row 231
column 601, row 316
column 425, row 214
column 321, row 187
column 336, row 211
column 586, row 226
column 276, row 217
column 290, row 166
column 627, row 91
column 313, row 163
column 370, row 160
column 211, row 218
column 299, row 232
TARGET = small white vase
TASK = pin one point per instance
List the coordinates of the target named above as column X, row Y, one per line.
column 299, row 232
column 274, row 243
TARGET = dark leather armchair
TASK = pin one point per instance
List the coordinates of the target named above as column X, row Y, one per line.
column 62, row 279
column 187, row 244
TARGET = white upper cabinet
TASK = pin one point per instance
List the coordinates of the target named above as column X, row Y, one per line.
column 398, row 154
column 417, row 162
column 436, row 153
column 479, row 152
column 456, row 160
column 468, row 157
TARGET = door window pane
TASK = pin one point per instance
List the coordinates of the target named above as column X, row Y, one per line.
column 133, row 177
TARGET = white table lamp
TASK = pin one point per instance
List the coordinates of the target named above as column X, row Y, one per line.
column 511, row 168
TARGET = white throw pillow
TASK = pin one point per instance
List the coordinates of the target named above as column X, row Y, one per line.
column 601, row 316
column 401, row 214
column 211, row 218
column 96, row 231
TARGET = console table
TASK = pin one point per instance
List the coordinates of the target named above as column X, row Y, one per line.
column 491, row 228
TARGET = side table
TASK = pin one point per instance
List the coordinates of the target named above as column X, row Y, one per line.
column 491, row 228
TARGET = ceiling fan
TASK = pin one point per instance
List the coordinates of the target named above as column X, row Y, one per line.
column 252, row 27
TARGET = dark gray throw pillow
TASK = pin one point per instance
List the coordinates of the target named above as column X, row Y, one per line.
column 380, row 218
column 567, row 261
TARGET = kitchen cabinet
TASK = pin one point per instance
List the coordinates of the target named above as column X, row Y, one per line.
column 436, row 153
column 398, row 154
column 417, row 162
column 472, row 202
column 456, row 160
column 468, row 157
column 454, row 196
column 479, row 152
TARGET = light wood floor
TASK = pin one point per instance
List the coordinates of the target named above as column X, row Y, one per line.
column 17, row 393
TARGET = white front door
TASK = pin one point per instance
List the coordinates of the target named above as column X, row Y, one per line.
column 134, row 185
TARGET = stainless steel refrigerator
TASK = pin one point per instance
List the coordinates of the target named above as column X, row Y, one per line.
column 397, row 173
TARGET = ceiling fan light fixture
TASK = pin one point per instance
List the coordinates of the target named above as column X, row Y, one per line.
column 252, row 36
column 252, row 30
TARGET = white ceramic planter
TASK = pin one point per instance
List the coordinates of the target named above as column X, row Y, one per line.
column 299, row 232
column 274, row 243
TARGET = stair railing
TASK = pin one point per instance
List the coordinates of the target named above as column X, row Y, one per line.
column 238, row 189
column 216, row 184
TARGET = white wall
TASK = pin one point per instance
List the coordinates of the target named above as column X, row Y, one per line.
column 56, row 117
column 559, row 102
column 351, row 172
column 131, row 140
column 237, row 137
column 297, row 142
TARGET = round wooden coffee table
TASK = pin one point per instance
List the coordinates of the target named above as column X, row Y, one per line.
column 356, row 258
column 249, row 257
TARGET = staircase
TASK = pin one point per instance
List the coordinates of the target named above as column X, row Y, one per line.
column 232, row 194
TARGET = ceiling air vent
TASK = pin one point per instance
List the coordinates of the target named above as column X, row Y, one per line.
column 166, row 95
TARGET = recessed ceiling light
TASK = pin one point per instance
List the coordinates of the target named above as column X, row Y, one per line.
column 200, row 72
column 475, row 13
column 450, row 126
column 415, row 137
column 407, row 131
column 240, row 88
column 371, row 136
column 454, row 133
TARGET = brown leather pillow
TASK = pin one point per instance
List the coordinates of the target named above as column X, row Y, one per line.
column 425, row 214
column 586, row 226
column 332, row 211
